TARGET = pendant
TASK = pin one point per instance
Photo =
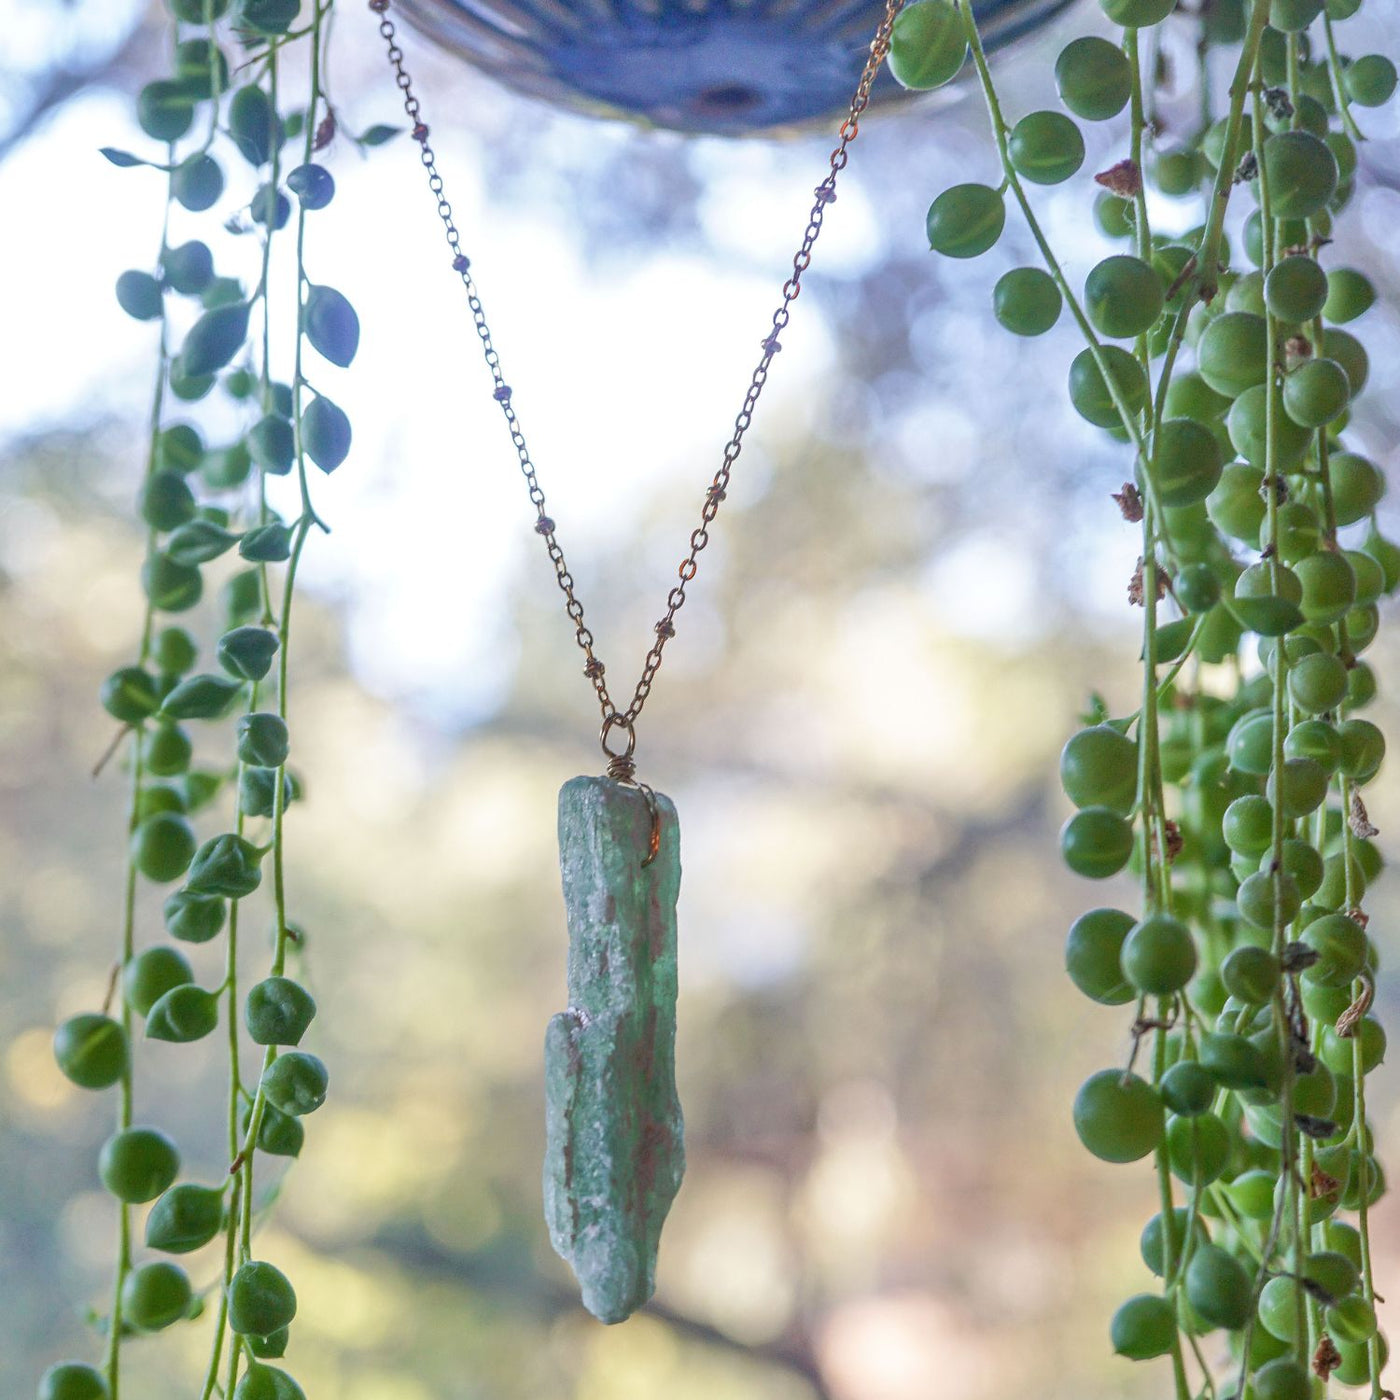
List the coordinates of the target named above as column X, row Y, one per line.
column 614, row 1153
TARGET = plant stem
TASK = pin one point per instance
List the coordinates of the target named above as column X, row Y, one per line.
column 1291, row 1202
column 126, row 1091
column 283, row 624
column 1334, row 71
column 1363, row 1206
column 236, row 1248
column 221, row 1319
column 1208, row 253
column 1138, row 116
column 1170, row 1253
column 1128, row 418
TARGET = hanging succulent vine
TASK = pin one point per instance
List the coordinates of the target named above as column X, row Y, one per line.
column 1234, row 796
column 201, row 504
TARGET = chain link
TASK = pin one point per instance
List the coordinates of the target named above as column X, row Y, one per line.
column 665, row 629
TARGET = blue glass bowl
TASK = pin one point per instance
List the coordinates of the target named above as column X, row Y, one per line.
column 725, row 67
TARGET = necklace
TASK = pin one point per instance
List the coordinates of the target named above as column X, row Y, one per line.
column 614, row 1152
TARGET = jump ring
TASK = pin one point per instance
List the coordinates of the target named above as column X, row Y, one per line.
column 617, row 721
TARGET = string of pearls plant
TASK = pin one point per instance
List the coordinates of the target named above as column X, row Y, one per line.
column 207, row 817
column 1234, row 790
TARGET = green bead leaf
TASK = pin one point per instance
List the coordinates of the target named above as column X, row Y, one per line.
column 183, row 1014
column 928, row 45
column 257, row 790
column 1172, row 638
column 377, row 135
column 268, row 1383
column 129, row 695
column 222, row 291
column 197, row 183
column 122, row 158
column 162, row 845
column 270, row 207
column 1094, row 78
column 158, row 797
column 279, row 1134
column 188, row 269
column 200, row 787
column 261, row 1299
column 966, row 220
column 188, row 388
column 1046, row 147
column 192, row 917
column 278, row 1011
column 325, row 433
column 71, row 1380
column 313, row 185
column 156, row 1295
column 137, row 1164
column 1218, row 1288
column 269, row 16
column 1144, row 1327
column 271, row 1346
column 214, row 339
column 247, row 652
column 174, row 651
column 279, row 399
column 226, row 468
column 250, row 123
column 167, row 751
column 295, row 1083
column 179, row 449
column 164, row 110
column 331, row 325
column 267, row 544
column 166, row 501
column 91, row 1050
column 185, row 1218
column 243, row 597
column 152, row 973
column 263, row 740
column 204, row 696
column 198, row 542
column 240, row 384
column 1118, row 1116
column 201, row 67
column 139, row 295
column 1269, row 617
column 272, row 444
column 228, row 865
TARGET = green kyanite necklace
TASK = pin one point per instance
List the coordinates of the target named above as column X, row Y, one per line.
column 614, row 1156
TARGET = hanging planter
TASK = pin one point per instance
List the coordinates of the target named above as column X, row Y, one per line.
column 707, row 67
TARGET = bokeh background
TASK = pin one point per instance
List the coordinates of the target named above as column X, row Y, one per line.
column 918, row 579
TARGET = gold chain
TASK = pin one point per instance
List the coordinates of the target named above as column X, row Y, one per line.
column 622, row 764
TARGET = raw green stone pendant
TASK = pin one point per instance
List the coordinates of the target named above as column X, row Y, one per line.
column 614, row 1155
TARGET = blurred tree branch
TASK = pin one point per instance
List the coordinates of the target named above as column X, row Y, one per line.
column 49, row 88
column 511, row 1279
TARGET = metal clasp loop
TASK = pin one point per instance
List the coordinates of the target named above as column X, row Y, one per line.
column 622, row 768
column 617, row 721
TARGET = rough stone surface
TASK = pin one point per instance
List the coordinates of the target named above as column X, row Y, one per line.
column 614, row 1157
